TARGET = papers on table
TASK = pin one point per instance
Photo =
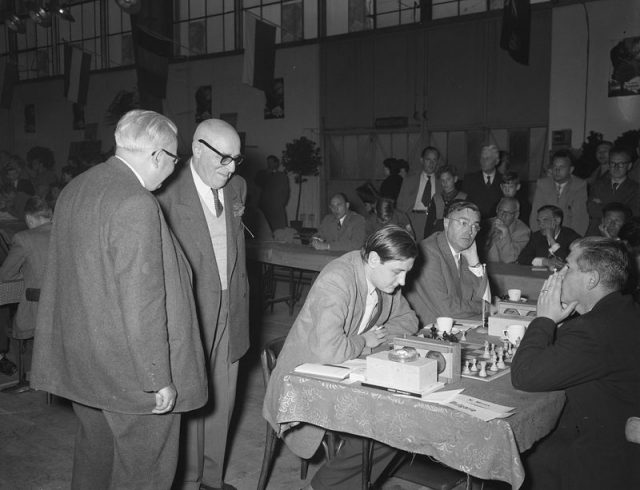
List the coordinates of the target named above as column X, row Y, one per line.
column 328, row 371
column 479, row 408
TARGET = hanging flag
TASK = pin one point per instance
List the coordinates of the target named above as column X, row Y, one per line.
column 76, row 74
column 259, row 53
column 8, row 79
column 516, row 29
column 152, row 32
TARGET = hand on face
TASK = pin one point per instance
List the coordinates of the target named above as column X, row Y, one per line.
column 549, row 303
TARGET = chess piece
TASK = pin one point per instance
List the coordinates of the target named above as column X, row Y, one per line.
column 493, row 367
column 486, row 354
column 474, row 365
column 466, row 368
column 483, row 369
column 501, row 364
column 464, row 336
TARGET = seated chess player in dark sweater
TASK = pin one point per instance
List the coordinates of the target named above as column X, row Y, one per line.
column 593, row 357
column 549, row 246
column 342, row 229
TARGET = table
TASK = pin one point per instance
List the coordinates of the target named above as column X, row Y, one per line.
column 487, row 450
column 515, row 276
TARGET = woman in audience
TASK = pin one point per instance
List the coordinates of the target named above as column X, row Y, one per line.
column 390, row 187
column 386, row 214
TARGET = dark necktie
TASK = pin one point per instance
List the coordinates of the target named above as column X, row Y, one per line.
column 615, row 187
column 339, row 225
column 217, row 204
column 426, row 195
column 375, row 315
column 488, row 181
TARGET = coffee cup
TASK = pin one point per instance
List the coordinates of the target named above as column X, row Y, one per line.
column 514, row 294
column 444, row 324
column 514, row 333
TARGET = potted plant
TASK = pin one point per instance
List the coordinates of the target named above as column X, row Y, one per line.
column 301, row 157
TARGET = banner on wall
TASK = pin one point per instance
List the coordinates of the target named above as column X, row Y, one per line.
column 516, row 29
column 624, row 78
column 259, row 52
column 76, row 74
column 8, row 79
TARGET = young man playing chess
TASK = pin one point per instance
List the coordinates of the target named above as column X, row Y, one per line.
column 354, row 306
column 593, row 356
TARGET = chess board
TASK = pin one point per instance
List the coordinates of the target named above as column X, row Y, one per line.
column 470, row 351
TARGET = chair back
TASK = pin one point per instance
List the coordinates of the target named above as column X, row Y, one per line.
column 269, row 357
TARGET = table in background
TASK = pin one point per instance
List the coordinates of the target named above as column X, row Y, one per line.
column 515, row 276
column 487, row 450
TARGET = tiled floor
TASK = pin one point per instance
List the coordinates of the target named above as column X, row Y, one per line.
column 36, row 439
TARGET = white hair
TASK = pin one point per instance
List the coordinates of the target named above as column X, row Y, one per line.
column 140, row 130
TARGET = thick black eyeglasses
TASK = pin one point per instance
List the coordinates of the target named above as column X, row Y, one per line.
column 224, row 159
column 175, row 158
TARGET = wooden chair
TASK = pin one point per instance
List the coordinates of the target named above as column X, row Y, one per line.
column 268, row 359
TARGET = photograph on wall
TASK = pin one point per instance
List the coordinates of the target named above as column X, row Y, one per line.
column 274, row 106
column 203, row 103
column 624, row 78
column 30, row 118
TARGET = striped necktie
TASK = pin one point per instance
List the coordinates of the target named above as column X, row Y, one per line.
column 217, row 204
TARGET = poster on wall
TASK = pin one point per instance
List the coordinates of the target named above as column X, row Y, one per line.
column 30, row 118
column 624, row 78
column 274, row 106
column 203, row 103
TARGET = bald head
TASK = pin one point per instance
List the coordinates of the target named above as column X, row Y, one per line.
column 213, row 140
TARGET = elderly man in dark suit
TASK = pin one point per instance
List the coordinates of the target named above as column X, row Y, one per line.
column 204, row 207
column 483, row 187
column 343, row 229
column 117, row 332
column 594, row 358
column 417, row 193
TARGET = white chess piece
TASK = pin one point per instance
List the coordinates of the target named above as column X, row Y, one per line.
column 493, row 367
column 486, row 354
column 501, row 364
column 466, row 368
column 474, row 365
column 483, row 369
column 464, row 336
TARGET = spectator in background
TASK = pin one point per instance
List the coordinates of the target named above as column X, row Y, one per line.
column 12, row 175
column 27, row 260
column 390, row 187
column 483, row 187
column 447, row 177
column 403, row 168
column 614, row 216
column 507, row 235
column 274, row 193
column 511, row 187
column 342, row 229
column 564, row 190
column 504, row 162
column 549, row 246
column 614, row 187
column 386, row 214
column 630, row 235
column 40, row 162
column 602, row 157
column 369, row 196
column 67, row 173
column 417, row 191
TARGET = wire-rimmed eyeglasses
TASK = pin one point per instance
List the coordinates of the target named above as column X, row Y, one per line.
column 224, row 159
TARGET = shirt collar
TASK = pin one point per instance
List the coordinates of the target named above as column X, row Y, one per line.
column 138, row 176
column 202, row 188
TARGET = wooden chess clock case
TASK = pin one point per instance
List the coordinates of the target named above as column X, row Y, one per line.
column 511, row 313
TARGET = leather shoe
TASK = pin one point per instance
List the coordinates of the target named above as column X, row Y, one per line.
column 225, row 486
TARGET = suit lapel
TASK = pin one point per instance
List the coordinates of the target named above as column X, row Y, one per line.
column 230, row 197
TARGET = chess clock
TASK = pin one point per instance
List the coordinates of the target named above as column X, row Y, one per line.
column 447, row 354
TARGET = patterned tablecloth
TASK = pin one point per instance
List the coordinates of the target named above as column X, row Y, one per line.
column 487, row 450
column 11, row 292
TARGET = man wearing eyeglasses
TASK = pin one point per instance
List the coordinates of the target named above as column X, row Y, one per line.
column 507, row 234
column 616, row 186
column 117, row 331
column 449, row 280
column 204, row 208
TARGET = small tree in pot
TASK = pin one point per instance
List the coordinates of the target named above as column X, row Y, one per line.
column 301, row 157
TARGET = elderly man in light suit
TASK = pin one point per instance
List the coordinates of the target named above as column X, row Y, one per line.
column 204, row 207
column 116, row 331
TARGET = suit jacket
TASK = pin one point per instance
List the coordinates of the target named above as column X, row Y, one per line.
column 350, row 236
column 390, row 187
column 539, row 247
column 116, row 319
column 27, row 260
column 506, row 248
column 326, row 331
column 602, row 193
column 407, row 200
column 573, row 202
column 436, row 287
column 486, row 198
column 182, row 207
column 594, row 358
